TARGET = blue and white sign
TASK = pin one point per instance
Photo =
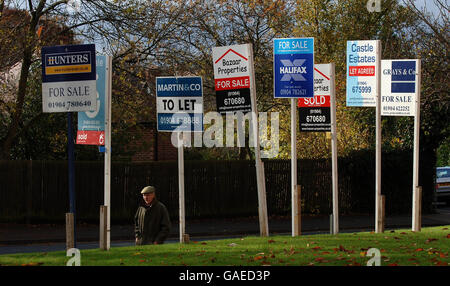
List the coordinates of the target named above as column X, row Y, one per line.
column 68, row 78
column 362, row 73
column 399, row 81
column 91, row 124
column 293, row 66
column 179, row 104
column 95, row 120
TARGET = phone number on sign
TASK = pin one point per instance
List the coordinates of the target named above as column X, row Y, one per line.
column 184, row 120
column 315, row 118
column 68, row 104
column 361, row 89
column 234, row 101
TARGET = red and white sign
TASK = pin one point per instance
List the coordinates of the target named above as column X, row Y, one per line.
column 315, row 113
column 321, row 88
column 232, row 83
column 89, row 137
column 232, row 78
column 361, row 71
column 231, row 62
column 317, row 101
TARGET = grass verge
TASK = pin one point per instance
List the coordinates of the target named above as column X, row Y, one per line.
column 429, row 247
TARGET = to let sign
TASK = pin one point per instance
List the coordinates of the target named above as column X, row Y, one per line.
column 399, row 80
column 314, row 113
column 179, row 104
column 69, row 78
column 232, row 78
column 293, row 67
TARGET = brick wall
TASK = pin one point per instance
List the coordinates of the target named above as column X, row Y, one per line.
column 148, row 144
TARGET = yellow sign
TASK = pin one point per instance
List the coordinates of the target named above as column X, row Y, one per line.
column 68, row 69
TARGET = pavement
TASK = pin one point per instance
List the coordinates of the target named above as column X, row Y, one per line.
column 22, row 234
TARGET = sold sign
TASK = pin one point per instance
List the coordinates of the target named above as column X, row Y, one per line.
column 314, row 112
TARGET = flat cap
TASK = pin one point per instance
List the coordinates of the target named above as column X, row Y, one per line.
column 148, row 190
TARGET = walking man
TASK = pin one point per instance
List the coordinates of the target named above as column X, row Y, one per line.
column 151, row 222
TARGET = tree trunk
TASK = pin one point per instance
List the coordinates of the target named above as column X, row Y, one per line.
column 11, row 135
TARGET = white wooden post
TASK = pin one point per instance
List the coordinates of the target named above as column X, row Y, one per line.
column 378, row 139
column 262, row 205
column 107, row 195
column 182, row 221
column 334, row 155
column 415, row 214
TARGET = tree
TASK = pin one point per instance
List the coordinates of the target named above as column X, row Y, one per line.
column 332, row 24
column 132, row 31
column 230, row 22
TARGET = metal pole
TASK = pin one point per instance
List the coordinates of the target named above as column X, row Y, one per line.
column 107, row 198
column 295, row 230
column 71, row 162
column 378, row 139
column 334, row 156
column 415, row 213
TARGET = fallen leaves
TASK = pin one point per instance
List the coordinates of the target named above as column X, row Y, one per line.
column 431, row 240
column 33, row 264
column 321, row 260
column 393, row 264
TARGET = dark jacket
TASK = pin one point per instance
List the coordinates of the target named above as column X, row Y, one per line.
column 151, row 223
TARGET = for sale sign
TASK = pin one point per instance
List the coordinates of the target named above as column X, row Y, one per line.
column 232, row 78
column 399, row 80
column 293, row 66
column 69, row 78
column 314, row 113
column 362, row 68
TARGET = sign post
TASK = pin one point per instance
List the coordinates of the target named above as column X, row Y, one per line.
column 416, row 220
column 182, row 213
column 363, row 90
column 69, row 85
column 235, row 86
column 334, row 153
column 108, row 105
column 318, row 114
column 400, row 89
column 94, row 128
column 179, row 106
column 294, row 78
